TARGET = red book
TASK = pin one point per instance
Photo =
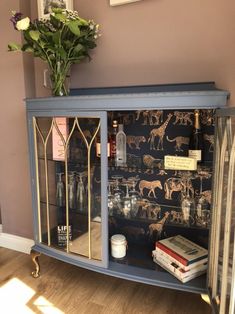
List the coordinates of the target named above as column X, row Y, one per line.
column 179, row 258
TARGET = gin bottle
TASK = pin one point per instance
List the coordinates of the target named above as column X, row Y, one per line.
column 120, row 147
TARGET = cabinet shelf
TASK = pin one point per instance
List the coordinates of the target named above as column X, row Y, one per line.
column 147, row 170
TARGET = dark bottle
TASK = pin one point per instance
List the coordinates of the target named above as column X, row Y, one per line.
column 98, row 147
column 113, row 140
column 196, row 142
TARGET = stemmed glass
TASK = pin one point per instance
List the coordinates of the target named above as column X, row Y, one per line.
column 60, row 191
column 202, row 203
column 135, row 197
column 72, row 190
column 127, row 203
column 111, row 200
column 118, row 194
column 81, row 193
column 187, row 202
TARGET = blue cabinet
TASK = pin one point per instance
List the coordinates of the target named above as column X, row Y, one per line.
column 73, row 221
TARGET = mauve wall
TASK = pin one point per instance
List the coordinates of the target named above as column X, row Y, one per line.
column 147, row 42
column 160, row 41
column 15, row 198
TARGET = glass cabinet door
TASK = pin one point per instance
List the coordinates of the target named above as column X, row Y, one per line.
column 221, row 274
column 71, row 180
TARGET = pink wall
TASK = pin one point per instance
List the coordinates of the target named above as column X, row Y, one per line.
column 147, row 42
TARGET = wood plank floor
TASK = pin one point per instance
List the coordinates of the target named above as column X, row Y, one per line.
column 64, row 288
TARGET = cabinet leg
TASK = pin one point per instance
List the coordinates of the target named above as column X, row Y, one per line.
column 34, row 256
column 205, row 298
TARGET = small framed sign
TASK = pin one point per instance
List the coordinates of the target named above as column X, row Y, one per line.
column 119, row 2
column 45, row 6
column 62, row 235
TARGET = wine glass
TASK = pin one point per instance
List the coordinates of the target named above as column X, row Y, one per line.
column 135, row 197
column 187, row 202
column 118, row 194
column 127, row 204
column 202, row 202
column 71, row 190
column 60, row 191
column 80, row 192
column 111, row 200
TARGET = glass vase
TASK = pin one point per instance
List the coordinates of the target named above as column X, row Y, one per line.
column 60, row 84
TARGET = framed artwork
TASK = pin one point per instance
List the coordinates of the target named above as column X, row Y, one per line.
column 119, row 2
column 45, row 6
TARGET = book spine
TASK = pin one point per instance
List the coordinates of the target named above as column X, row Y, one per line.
column 182, row 279
column 177, row 269
column 172, row 259
column 179, row 258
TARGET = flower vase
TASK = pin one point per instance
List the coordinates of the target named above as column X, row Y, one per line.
column 60, row 84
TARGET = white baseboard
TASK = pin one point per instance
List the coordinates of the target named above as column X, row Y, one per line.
column 16, row 243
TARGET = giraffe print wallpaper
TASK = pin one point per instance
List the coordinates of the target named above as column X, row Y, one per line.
column 152, row 134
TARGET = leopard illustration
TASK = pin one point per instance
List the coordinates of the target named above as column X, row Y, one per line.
column 135, row 141
column 179, row 141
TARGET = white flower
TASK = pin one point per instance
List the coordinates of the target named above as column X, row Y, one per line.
column 23, row 24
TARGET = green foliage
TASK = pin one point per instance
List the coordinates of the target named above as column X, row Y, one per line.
column 64, row 37
column 62, row 40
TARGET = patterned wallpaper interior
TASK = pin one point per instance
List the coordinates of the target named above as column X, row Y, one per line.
column 150, row 136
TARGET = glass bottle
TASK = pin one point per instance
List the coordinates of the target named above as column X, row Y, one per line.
column 196, row 142
column 113, row 141
column 120, row 147
column 98, row 146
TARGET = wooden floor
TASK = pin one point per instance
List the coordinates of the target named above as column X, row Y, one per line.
column 64, row 288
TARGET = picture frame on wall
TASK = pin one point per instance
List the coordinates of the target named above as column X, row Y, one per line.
column 120, row 2
column 45, row 6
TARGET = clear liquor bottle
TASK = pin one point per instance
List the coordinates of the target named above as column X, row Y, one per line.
column 120, row 147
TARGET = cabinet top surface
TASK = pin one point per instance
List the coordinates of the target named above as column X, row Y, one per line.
column 131, row 98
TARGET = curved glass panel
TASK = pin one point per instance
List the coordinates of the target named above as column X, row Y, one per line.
column 69, row 184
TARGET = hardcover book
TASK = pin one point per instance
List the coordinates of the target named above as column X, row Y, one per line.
column 177, row 269
column 174, row 260
column 182, row 249
column 172, row 270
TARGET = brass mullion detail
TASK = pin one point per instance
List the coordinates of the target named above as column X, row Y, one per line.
column 46, row 179
column 228, row 216
column 47, row 186
column 37, row 180
column 218, row 220
column 66, row 143
column 89, row 182
column 215, row 208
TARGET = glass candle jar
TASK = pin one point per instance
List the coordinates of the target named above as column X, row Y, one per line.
column 118, row 246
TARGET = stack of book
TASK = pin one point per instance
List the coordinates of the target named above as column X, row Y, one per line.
column 181, row 257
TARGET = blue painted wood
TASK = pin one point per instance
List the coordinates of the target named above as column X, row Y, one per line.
column 174, row 96
column 166, row 100
column 200, row 86
column 142, row 275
